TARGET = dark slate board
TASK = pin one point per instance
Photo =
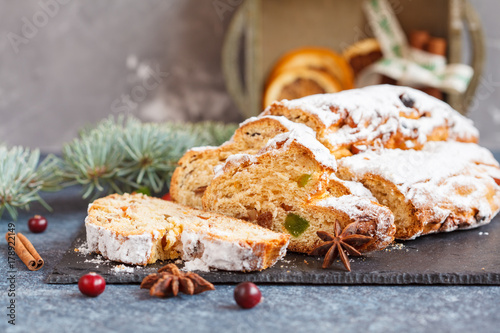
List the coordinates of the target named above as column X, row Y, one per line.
column 460, row 257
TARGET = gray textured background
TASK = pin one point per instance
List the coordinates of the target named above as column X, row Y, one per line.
column 157, row 59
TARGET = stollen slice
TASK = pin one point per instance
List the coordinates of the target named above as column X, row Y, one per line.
column 137, row 229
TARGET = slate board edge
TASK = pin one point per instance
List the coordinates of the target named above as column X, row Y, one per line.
column 338, row 279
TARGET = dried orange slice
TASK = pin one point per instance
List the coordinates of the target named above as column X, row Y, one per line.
column 299, row 82
column 320, row 59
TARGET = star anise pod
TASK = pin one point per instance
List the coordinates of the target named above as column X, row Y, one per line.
column 339, row 243
column 170, row 280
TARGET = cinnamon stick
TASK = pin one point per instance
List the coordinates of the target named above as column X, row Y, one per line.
column 25, row 250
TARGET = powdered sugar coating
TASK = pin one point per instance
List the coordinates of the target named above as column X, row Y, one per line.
column 356, row 189
column 469, row 151
column 313, row 104
column 463, row 129
column 352, row 205
column 120, row 269
column 235, row 159
column 202, row 148
column 203, row 252
column 377, row 128
column 358, row 208
column 441, row 182
column 241, row 158
column 282, row 142
column 445, row 200
column 404, row 167
column 132, row 249
column 290, row 125
column 320, row 152
column 379, row 112
column 408, row 167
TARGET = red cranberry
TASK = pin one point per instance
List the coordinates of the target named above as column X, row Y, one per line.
column 37, row 224
column 247, row 295
column 167, row 197
column 91, row 284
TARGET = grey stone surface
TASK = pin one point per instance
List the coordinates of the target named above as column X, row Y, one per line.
column 42, row 307
column 79, row 64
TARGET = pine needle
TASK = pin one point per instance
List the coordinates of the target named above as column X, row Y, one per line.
column 122, row 155
column 23, row 176
column 117, row 155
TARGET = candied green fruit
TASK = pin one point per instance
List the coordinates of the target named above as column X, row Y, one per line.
column 144, row 190
column 295, row 224
column 303, row 180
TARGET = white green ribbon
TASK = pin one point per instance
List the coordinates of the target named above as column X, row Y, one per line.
column 409, row 66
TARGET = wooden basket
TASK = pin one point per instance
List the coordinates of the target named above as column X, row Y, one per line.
column 269, row 28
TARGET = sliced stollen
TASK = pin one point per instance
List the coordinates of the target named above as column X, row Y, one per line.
column 444, row 187
column 290, row 186
column 388, row 116
column 347, row 123
column 139, row 230
column 195, row 170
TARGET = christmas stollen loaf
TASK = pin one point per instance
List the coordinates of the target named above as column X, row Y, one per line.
column 290, row 186
column 347, row 123
column 137, row 229
column 444, row 187
column 387, row 116
column 374, row 132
